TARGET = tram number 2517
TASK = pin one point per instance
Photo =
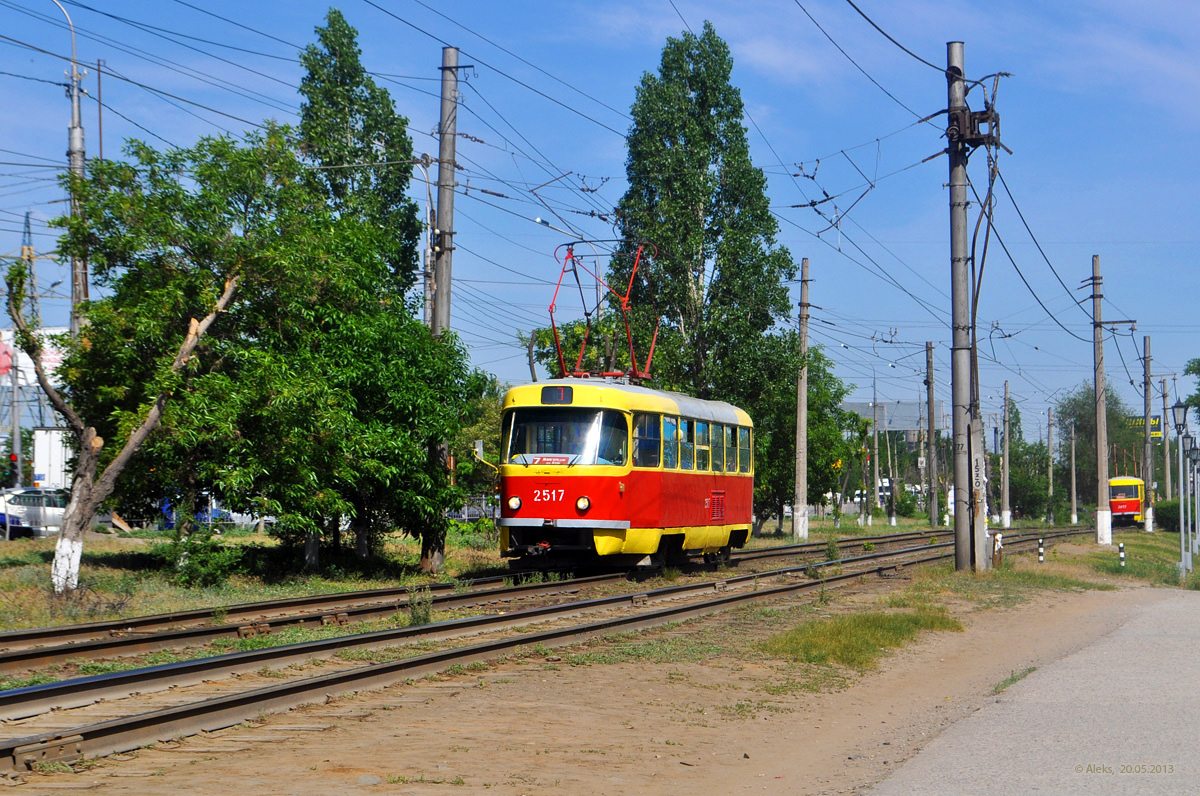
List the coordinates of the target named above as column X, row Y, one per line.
column 548, row 495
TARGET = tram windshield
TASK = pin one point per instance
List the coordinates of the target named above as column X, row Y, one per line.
column 565, row 436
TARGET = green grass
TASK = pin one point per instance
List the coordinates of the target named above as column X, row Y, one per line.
column 1152, row 557
column 1013, row 677
column 1004, row 587
column 855, row 640
column 642, row 648
column 120, row 577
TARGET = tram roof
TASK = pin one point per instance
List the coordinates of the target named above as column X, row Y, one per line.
column 607, row 392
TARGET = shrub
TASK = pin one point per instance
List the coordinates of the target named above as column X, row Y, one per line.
column 1166, row 515
column 200, row 560
column 832, row 551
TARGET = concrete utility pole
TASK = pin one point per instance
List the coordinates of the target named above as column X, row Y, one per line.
column 76, row 156
column 800, row 502
column 1148, row 451
column 1166, row 436
column 931, row 442
column 1103, row 511
column 891, row 490
column 960, row 352
column 100, row 107
column 1005, row 510
column 1074, row 504
column 874, row 448
column 1050, row 463
column 444, row 233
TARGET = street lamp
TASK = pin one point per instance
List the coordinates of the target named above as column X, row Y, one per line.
column 1194, row 507
column 1179, row 415
column 1187, row 446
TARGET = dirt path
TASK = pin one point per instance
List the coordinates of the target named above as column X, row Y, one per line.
column 542, row 727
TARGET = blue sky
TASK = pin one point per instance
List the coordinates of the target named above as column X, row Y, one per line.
column 1099, row 112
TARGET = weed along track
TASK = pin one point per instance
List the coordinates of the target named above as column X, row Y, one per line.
column 120, row 711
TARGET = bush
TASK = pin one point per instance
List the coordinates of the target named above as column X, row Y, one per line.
column 1166, row 515
column 200, row 560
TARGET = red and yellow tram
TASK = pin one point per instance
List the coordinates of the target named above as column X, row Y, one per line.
column 1126, row 498
column 597, row 470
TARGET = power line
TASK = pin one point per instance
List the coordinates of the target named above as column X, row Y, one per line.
column 19, row 43
column 888, row 36
column 498, row 71
column 174, row 66
column 530, row 64
column 866, row 74
column 1036, row 243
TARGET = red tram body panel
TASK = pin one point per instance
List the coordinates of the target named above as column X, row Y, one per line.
column 1126, row 497
column 593, row 469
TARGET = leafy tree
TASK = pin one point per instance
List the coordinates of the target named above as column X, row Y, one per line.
column 351, row 131
column 717, row 278
column 1191, row 369
column 481, row 422
column 1079, row 407
column 178, row 256
column 775, row 428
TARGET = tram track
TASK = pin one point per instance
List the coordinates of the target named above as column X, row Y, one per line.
column 26, row 650
column 147, row 724
column 36, row 649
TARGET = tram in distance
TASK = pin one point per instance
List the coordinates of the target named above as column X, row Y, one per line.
column 598, row 471
column 1126, row 497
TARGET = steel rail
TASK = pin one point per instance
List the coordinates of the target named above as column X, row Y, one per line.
column 130, row 732
column 354, row 606
column 122, row 734
column 33, row 700
column 125, row 645
column 244, row 612
column 21, row 650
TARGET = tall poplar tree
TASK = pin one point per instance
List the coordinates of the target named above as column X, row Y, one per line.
column 351, row 132
column 717, row 280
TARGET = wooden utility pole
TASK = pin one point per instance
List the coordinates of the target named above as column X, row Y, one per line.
column 1005, row 510
column 931, row 439
column 1148, row 449
column 800, row 501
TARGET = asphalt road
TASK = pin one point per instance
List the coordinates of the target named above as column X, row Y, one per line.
column 1119, row 717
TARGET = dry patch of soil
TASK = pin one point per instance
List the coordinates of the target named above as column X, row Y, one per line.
column 540, row 726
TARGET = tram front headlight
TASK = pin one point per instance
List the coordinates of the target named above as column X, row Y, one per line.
column 514, row 503
column 583, row 504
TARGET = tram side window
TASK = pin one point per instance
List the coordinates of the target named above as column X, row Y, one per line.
column 730, row 449
column 646, row 439
column 743, row 450
column 686, row 443
column 718, row 448
column 670, row 442
column 701, row 445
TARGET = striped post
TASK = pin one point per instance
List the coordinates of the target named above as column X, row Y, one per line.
column 1121, row 548
column 1041, row 552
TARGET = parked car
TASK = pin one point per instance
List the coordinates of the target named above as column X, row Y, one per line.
column 41, row 508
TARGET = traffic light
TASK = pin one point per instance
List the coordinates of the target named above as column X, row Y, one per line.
column 13, row 471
